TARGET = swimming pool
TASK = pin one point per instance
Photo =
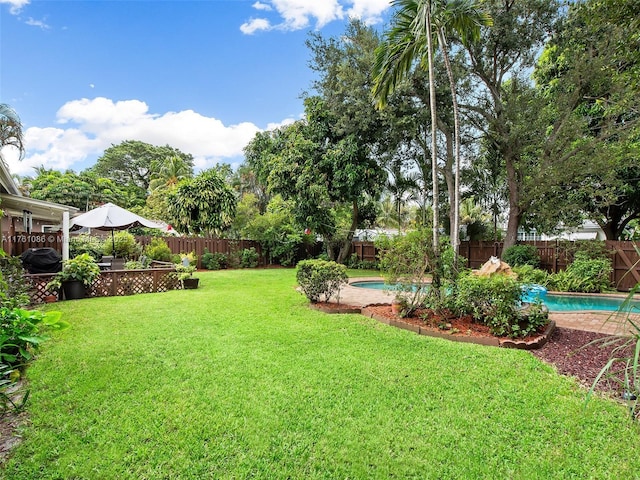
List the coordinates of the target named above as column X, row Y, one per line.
column 554, row 302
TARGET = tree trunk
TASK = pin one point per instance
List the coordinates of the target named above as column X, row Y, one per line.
column 455, row 205
column 345, row 251
column 434, row 142
column 515, row 213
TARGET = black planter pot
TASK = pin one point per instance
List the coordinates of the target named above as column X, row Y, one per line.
column 73, row 289
column 190, row 283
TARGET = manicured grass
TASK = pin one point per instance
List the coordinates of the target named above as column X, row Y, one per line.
column 239, row 379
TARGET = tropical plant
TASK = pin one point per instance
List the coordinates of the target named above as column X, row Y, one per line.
column 249, row 258
column 623, row 367
column 522, row 255
column 495, row 300
column 12, row 399
column 320, row 278
column 11, row 129
column 204, row 204
column 168, row 173
column 82, row 268
column 214, row 261
column 185, row 271
column 585, row 275
column 406, row 261
column 85, row 243
column 530, row 275
column 411, row 38
column 123, row 245
column 14, row 289
column 158, row 250
column 21, row 333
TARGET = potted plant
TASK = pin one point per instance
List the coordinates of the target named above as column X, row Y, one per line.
column 185, row 275
column 76, row 275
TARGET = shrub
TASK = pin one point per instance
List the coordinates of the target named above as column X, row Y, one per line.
column 214, row 261
column 528, row 274
column 158, row 250
column 82, row 268
column 584, row 275
column 14, row 289
column 522, row 255
column 125, row 246
column 405, row 261
column 134, row 265
column 85, row 243
column 495, row 301
column 320, row 278
column 355, row 263
column 21, row 333
column 249, row 258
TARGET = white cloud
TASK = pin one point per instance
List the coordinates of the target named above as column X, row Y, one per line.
column 262, row 6
column 15, row 5
column 37, row 23
column 255, row 25
column 298, row 14
column 370, row 11
column 89, row 126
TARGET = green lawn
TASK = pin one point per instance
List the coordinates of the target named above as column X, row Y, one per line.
column 239, row 379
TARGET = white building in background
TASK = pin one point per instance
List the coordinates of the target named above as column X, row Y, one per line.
column 587, row 231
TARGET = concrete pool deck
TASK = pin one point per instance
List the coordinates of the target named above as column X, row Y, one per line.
column 592, row 321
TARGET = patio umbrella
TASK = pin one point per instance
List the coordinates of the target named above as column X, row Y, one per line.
column 110, row 217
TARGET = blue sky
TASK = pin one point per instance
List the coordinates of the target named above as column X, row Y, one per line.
column 202, row 76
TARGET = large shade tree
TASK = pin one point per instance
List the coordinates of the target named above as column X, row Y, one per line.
column 135, row 164
column 323, row 175
column 84, row 191
column 507, row 51
column 588, row 79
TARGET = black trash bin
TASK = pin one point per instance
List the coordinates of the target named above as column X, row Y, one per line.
column 41, row 260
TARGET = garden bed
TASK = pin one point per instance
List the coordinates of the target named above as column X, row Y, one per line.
column 459, row 329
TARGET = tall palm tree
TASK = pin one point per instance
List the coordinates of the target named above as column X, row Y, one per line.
column 11, row 129
column 411, row 39
column 172, row 170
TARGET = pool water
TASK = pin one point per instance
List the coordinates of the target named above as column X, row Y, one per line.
column 555, row 303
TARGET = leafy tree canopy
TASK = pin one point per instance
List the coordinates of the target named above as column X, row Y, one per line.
column 135, row 163
column 203, row 205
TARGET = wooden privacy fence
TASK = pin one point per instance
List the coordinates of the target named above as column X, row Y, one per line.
column 211, row 245
column 112, row 283
column 22, row 242
column 554, row 256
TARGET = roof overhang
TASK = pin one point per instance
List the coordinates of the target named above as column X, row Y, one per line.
column 15, row 205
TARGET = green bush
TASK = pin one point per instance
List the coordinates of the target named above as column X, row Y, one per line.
column 214, row 261
column 320, row 278
column 125, row 246
column 158, row 250
column 585, row 275
column 528, row 274
column 21, row 333
column 134, row 265
column 495, row 302
column 85, row 243
column 355, row 263
column 406, row 261
column 14, row 289
column 249, row 258
column 522, row 255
